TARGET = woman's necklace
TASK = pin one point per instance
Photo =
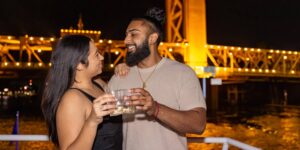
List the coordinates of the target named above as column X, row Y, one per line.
column 145, row 81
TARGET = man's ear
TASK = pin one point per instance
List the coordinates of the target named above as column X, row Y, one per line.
column 153, row 38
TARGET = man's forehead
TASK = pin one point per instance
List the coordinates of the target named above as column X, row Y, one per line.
column 138, row 25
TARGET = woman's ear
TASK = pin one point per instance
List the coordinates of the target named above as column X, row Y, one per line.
column 153, row 38
column 80, row 67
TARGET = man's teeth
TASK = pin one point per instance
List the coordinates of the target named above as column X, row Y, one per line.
column 131, row 47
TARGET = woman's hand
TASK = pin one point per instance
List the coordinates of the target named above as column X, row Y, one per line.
column 121, row 70
column 102, row 106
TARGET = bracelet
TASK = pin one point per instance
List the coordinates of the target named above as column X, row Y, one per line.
column 156, row 110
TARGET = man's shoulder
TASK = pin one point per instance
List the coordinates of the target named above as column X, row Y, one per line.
column 177, row 65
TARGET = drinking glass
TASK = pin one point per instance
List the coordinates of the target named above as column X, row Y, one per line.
column 121, row 106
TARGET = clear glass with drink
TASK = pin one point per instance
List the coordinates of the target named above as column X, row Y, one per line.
column 121, row 105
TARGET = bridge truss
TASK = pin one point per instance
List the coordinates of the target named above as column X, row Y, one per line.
column 30, row 52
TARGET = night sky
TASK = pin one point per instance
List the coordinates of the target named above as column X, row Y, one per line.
column 252, row 23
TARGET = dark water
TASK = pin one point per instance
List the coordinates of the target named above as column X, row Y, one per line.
column 265, row 126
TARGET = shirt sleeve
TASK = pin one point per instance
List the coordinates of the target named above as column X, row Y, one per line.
column 190, row 93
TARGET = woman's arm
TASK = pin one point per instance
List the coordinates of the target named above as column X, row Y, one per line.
column 77, row 119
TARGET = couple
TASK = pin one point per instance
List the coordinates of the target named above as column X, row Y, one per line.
column 167, row 94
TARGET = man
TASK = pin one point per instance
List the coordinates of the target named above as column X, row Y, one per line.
column 166, row 93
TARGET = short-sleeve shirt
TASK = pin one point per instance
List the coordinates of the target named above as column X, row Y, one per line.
column 172, row 84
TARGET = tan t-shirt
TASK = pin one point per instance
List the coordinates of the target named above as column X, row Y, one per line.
column 172, row 84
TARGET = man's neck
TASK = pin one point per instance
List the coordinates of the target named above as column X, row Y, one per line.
column 149, row 61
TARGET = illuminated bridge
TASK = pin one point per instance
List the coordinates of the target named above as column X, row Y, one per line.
column 188, row 46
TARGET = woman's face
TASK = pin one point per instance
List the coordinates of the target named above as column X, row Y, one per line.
column 95, row 60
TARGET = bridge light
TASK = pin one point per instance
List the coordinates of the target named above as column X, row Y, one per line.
column 269, row 57
column 258, row 50
column 177, row 44
column 51, row 39
column 246, row 69
column 271, row 51
column 267, row 70
column 292, row 72
column 232, row 48
column 117, row 52
column 31, row 38
column 218, row 47
column 42, row 39
column 101, row 41
column 284, row 57
column 170, row 50
column 247, row 58
column 111, row 65
column 211, row 46
column 161, row 43
column 50, row 64
column 290, row 52
column 252, row 49
column 283, row 52
column 253, row 70
column 9, row 37
column 109, row 41
column 40, row 64
column 186, row 43
column 273, row 71
column 245, row 49
column 259, row 70
column 28, row 64
column 239, row 69
column 5, row 63
column 277, row 51
column 17, row 64
column 225, row 47
column 295, row 53
column 239, row 48
column 39, row 50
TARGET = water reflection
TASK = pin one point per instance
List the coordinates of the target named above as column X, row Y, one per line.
column 267, row 127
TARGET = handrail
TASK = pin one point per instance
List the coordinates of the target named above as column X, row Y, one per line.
column 23, row 137
column 224, row 140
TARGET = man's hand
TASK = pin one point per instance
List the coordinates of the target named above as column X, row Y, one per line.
column 143, row 100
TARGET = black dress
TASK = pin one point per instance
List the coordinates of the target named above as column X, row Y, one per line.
column 109, row 133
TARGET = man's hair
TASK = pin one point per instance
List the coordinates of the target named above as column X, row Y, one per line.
column 155, row 17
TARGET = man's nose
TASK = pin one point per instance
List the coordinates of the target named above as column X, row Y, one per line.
column 127, row 39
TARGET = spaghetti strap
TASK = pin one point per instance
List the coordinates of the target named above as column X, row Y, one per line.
column 90, row 97
column 98, row 85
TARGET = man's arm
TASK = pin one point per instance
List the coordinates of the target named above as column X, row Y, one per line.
column 191, row 121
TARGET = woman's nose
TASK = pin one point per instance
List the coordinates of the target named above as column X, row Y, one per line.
column 101, row 57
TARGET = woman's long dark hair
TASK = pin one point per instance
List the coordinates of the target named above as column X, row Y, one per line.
column 68, row 53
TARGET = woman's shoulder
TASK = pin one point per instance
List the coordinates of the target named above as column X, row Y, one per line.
column 73, row 100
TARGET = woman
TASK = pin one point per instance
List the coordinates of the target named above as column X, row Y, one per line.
column 75, row 105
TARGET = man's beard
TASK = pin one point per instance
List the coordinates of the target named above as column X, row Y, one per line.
column 133, row 58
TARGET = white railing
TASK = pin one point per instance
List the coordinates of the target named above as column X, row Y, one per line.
column 221, row 140
column 22, row 137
